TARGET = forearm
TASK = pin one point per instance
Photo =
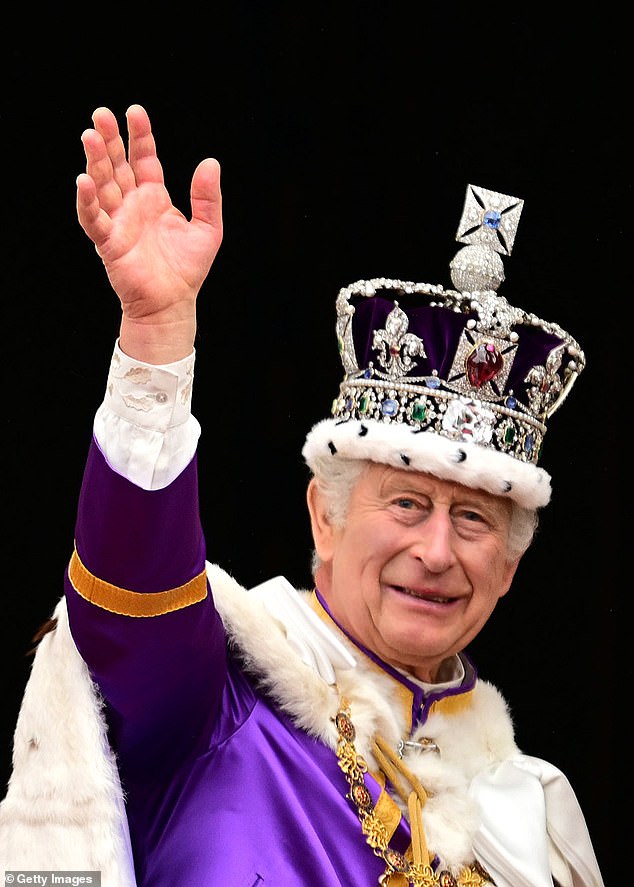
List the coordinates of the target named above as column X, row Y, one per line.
column 141, row 614
column 139, row 608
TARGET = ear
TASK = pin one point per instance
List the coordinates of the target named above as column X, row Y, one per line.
column 321, row 524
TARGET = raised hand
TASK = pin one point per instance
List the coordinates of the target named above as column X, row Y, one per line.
column 156, row 260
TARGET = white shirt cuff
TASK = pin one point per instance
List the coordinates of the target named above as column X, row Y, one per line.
column 144, row 426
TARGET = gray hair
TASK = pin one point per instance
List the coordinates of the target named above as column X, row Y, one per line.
column 336, row 478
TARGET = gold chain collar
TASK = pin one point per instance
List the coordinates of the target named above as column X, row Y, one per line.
column 399, row 870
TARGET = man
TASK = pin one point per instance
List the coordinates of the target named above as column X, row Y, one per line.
column 271, row 736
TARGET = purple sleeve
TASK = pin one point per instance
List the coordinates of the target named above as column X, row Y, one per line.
column 155, row 649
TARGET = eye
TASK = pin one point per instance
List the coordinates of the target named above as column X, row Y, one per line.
column 472, row 516
column 477, row 520
column 407, row 504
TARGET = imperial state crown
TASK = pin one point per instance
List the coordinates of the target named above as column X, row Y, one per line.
column 455, row 382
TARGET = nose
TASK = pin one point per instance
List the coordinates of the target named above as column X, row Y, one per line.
column 433, row 542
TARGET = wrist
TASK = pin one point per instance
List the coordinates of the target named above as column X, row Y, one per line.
column 157, row 343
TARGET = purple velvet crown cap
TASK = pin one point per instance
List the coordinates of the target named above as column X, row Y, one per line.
column 457, row 383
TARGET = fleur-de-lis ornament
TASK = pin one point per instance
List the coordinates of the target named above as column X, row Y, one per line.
column 396, row 346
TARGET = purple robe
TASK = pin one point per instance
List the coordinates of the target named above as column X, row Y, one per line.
column 222, row 787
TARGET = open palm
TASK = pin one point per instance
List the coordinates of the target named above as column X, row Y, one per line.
column 155, row 258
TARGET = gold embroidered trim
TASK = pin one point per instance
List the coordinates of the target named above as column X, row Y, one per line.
column 399, row 870
column 452, row 705
column 131, row 603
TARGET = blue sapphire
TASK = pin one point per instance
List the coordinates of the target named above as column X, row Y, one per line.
column 389, row 407
column 432, row 382
column 367, row 374
column 529, row 443
column 511, row 403
column 491, row 219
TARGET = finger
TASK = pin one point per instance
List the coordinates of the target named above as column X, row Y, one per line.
column 142, row 147
column 92, row 218
column 106, row 125
column 206, row 196
column 99, row 168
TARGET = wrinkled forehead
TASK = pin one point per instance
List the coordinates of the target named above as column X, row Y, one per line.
column 387, row 481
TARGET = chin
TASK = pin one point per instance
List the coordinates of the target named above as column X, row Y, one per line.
column 408, row 652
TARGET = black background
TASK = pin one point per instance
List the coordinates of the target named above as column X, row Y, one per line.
column 347, row 135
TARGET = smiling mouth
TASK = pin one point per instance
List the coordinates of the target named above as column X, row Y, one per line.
column 422, row 596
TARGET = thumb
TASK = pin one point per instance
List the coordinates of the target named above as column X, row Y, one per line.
column 205, row 194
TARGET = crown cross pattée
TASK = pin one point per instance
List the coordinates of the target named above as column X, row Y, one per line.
column 396, row 347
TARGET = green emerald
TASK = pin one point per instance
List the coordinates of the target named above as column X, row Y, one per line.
column 419, row 411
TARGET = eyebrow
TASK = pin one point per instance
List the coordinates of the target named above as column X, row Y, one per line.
column 395, row 485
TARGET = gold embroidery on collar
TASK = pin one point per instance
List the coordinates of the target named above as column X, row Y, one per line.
column 413, row 869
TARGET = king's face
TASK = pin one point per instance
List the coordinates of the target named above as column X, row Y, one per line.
column 418, row 566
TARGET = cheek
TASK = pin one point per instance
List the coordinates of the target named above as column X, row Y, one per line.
column 361, row 554
column 496, row 575
column 366, row 547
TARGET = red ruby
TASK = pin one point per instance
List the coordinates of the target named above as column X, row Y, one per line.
column 483, row 364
